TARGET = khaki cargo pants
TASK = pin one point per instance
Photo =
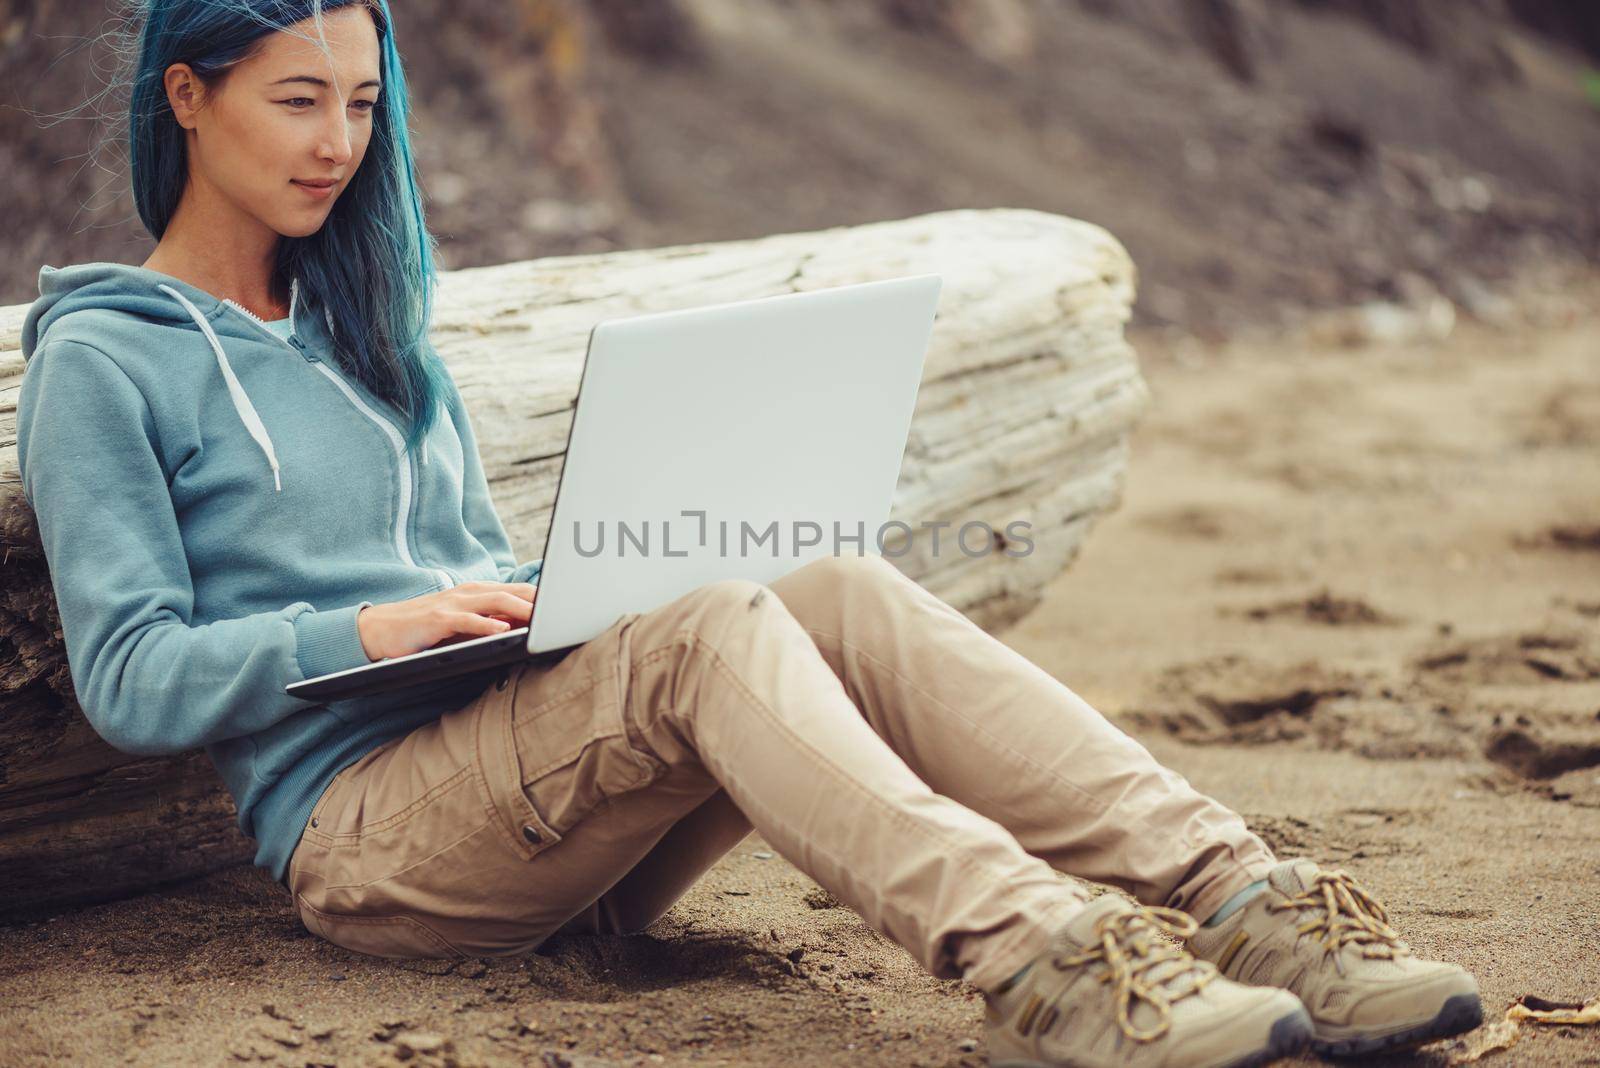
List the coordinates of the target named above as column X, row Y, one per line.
column 927, row 775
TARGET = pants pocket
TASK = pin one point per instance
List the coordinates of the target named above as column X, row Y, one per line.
column 557, row 746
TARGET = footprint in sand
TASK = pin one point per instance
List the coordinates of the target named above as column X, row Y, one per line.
column 1510, row 659
column 1323, row 607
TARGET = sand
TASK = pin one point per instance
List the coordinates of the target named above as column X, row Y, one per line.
column 1351, row 592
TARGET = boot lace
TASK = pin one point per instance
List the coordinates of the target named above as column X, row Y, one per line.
column 1342, row 912
column 1141, row 967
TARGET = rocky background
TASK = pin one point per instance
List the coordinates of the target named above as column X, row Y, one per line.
column 1256, row 157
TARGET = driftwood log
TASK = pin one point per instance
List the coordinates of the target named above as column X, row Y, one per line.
column 1029, row 395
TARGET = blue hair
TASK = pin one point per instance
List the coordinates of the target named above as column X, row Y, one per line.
column 371, row 264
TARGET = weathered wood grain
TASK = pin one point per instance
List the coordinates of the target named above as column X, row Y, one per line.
column 1029, row 395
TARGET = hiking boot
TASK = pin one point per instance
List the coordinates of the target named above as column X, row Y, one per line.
column 1111, row 992
column 1320, row 934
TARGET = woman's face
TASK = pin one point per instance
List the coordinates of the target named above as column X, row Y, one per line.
column 283, row 121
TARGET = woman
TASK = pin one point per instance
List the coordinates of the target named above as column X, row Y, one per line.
column 249, row 467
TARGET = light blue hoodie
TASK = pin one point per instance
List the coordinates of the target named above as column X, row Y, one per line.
column 217, row 502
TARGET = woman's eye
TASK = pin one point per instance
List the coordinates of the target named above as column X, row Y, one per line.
column 305, row 101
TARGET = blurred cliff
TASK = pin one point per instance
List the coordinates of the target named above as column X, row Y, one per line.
column 1255, row 156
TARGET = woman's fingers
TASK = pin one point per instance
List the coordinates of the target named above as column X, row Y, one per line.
column 514, row 606
column 475, row 623
column 501, row 602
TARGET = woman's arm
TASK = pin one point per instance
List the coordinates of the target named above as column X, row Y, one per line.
column 148, row 681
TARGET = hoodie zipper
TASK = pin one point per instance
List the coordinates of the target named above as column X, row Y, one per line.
column 395, row 440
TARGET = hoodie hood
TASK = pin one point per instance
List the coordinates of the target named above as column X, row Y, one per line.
column 160, row 298
column 137, row 291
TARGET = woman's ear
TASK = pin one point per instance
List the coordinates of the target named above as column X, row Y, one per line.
column 185, row 93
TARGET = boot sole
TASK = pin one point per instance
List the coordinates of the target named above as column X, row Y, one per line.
column 1290, row 1034
column 1460, row 1013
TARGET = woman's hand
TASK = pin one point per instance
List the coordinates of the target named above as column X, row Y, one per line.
column 470, row 610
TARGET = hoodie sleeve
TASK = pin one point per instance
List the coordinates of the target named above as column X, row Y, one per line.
column 477, row 507
column 148, row 681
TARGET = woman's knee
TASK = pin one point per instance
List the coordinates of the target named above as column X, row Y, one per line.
column 822, row 590
column 866, row 567
column 829, row 575
column 708, row 614
column 812, row 595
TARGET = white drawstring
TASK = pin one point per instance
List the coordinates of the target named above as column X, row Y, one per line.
column 241, row 399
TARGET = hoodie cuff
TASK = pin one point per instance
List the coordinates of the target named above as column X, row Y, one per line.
column 326, row 642
column 527, row 572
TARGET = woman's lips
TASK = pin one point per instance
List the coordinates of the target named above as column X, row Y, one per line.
column 320, row 192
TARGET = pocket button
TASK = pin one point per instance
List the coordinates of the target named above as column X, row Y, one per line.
column 531, row 833
column 500, row 683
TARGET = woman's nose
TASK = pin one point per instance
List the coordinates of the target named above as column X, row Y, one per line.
column 335, row 146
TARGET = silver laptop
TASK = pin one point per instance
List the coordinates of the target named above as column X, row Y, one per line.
column 736, row 440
